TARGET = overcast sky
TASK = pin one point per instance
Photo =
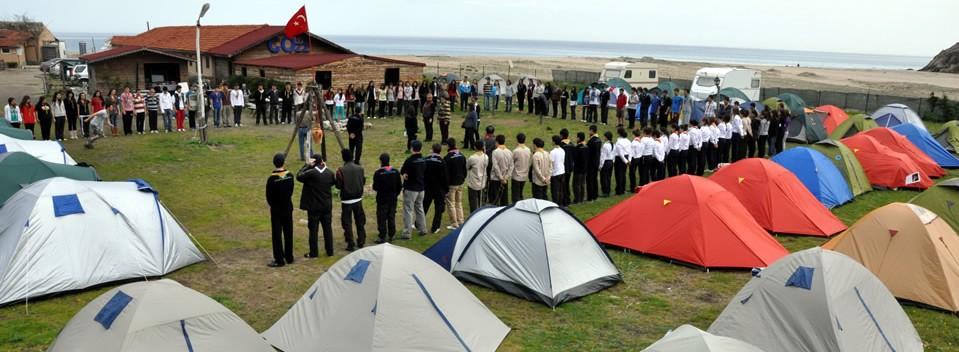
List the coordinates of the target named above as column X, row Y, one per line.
column 903, row 27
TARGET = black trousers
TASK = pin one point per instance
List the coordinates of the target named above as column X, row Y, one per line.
column 579, row 187
column 671, row 162
column 529, row 106
column 316, row 219
column 498, row 193
column 261, row 113
column 556, row 109
column 475, row 198
column 562, row 103
column 274, row 114
column 517, row 190
column 682, row 160
column 127, row 123
column 153, row 114
column 469, row 139
column 701, row 160
column 656, row 169
column 635, row 170
column 464, row 101
column 59, row 123
column 736, row 144
column 282, row 224
column 592, row 183
column 631, row 118
column 568, row 191
column 604, row 114
column 761, row 146
column 539, row 192
column 692, row 156
column 750, row 143
column 386, row 218
column 557, row 185
column 519, row 101
column 45, row 124
column 428, row 126
column 723, row 150
column 439, row 201
column 140, row 119
column 444, row 130
column 353, row 212
column 605, row 176
column 286, row 114
column 382, row 109
column 370, row 108
column 619, row 166
column 237, row 114
column 356, row 148
column 410, row 137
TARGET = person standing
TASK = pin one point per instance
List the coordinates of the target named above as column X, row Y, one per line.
column 410, row 124
column 563, row 101
column 45, row 117
column 785, row 117
column 591, row 116
column 28, row 113
column 464, row 91
column 442, row 108
column 500, row 172
column 304, row 124
column 476, row 176
column 644, row 102
column 354, row 127
column 714, row 138
column 179, row 108
column 259, row 98
column 12, row 114
column 654, row 102
column 279, row 196
column 436, row 186
column 530, row 92
column 237, row 101
column 73, row 114
column 192, row 104
column 414, row 174
column 508, row 93
column 140, row 110
column 286, row 112
column 622, row 100
column 128, row 105
column 683, row 161
column 429, row 111
column 557, row 184
column 736, row 134
column 521, row 165
column 656, row 170
column 579, row 168
column 621, row 153
column 381, row 95
column 570, row 148
column 695, row 149
column 456, row 175
column 724, row 135
column 470, row 124
column 762, row 134
column 631, row 108
column 520, row 95
column 152, row 102
column 59, row 116
column 339, row 102
column 217, row 99
column 749, row 150
column 606, row 157
column 677, row 106
column 371, row 99
column 83, row 110
column 593, row 161
column 317, row 200
column 542, row 170
column 350, row 180
column 604, row 101
column 665, row 110
column 387, row 183
column 273, row 98
column 166, row 106
column 487, row 95
column 497, row 91
column 636, row 167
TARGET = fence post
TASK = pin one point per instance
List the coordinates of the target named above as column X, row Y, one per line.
column 867, row 101
column 919, row 106
column 819, row 98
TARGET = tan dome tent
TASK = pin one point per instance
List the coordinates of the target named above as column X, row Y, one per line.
column 688, row 338
column 387, row 298
column 910, row 249
column 817, row 300
column 158, row 316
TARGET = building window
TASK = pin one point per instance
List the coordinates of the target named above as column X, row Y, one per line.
column 6, row 50
column 262, row 73
column 206, row 62
column 243, row 71
column 652, row 74
column 628, row 75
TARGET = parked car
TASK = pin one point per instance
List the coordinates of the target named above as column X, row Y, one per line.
column 81, row 73
column 46, row 66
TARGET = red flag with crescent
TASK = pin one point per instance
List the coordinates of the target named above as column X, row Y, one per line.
column 297, row 24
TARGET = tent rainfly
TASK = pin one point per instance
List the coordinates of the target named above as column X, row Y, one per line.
column 942, row 199
column 834, row 117
column 847, row 163
column 910, row 249
column 19, row 169
column 899, row 143
column 820, row 176
column 796, row 105
column 60, row 235
column 948, row 136
column 532, row 249
column 387, row 298
column 817, row 300
column 885, row 167
column 928, row 145
column 897, row 114
column 688, row 338
column 16, row 133
column 50, row 151
column 158, row 316
column 777, row 199
column 854, row 124
column 697, row 222
column 807, row 128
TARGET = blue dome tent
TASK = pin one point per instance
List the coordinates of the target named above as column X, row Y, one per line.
column 818, row 174
column 924, row 141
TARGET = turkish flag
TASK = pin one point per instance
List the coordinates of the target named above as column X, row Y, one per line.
column 297, row 25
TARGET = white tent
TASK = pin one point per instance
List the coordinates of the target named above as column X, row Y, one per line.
column 817, row 300
column 688, row 338
column 532, row 249
column 897, row 114
column 387, row 298
column 60, row 234
column 49, row 151
column 157, row 316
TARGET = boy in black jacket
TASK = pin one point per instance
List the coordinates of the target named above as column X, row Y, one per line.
column 455, row 177
column 350, row 179
column 354, row 126
column 387, row 184
column 279, row 196
column 436, row 186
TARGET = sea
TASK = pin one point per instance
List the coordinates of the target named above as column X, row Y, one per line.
column 377, row 45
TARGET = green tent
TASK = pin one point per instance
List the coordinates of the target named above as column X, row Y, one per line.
column 17, row 133
column 854, row 124
column 734, row 94
column 18, row 168
column 4, row 123
column 942, row 199
column 848, row 164
column 949, row 136
column 772, row 103
column 619, row 83
column 667, row 86
column 808, row 128
column 794, row 103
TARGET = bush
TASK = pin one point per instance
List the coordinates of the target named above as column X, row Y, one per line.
column 941, row 109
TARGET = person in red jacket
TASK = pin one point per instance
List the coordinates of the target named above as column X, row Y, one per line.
column 28, row 113
column 621, row 101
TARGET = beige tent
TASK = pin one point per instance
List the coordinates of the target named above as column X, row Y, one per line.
column 160, row 316
column 910, row 249
column 688, row 338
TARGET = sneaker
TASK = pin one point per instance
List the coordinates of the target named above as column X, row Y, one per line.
column 380, row 241
column 308, row 256
column 451, row 227
column 275, row 265
column 436, row 231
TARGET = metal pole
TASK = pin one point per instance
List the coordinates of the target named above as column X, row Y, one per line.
column 199, row 77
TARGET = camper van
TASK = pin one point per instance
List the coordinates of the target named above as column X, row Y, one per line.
column 746, row 80
column 638, row 75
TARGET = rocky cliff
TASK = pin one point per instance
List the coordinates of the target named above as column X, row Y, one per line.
column 947, row 61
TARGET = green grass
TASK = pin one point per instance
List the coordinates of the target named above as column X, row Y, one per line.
column 217, row 193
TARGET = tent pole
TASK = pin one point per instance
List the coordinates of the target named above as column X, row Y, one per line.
column 194, row 239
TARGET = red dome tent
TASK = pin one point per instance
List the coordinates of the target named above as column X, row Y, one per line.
column 899, row 143
column 834, row 117
column 689, row 219
column 777, row 199
column 885, row 167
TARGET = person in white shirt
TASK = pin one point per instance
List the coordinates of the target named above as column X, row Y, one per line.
column 557, row 184
column 714, row 137
column 695, row 149
column 650, row 168
column 736, row 135
column 166, row 106
column 635, row 165
column 763, row 137
column 684, row 140
column 729, row 137
column 593, row 103
column 659, row 153
column 664, row 141
column 237, row 103
column 723, row 142
column 710, row 110
column 672, row 156
column 749, row 141
column 606, row 159
column 339, row 101
column 622, row 156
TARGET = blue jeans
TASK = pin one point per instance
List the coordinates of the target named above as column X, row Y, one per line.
column 773, row 146
column 168, row 120
column 302, row 133
column 216, row 116
column 486, row 102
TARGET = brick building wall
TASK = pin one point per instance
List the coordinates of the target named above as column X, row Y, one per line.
column 356, row 71
column 261, row 50
column 128, row 70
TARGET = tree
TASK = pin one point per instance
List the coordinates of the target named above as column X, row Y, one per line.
column 23, row 23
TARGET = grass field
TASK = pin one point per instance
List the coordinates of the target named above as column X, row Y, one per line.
column 217, row 192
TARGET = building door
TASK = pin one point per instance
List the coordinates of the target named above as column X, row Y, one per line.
column 392, row 76
column 324, row 79
column 161, row 74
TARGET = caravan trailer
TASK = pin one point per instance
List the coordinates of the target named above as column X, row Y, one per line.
column 746, row 80
column 638, row 74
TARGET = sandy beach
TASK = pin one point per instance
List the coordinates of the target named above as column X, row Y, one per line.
column 905, row 83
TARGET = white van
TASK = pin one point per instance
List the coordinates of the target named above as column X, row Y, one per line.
column 746, row 80
column 638, row 75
